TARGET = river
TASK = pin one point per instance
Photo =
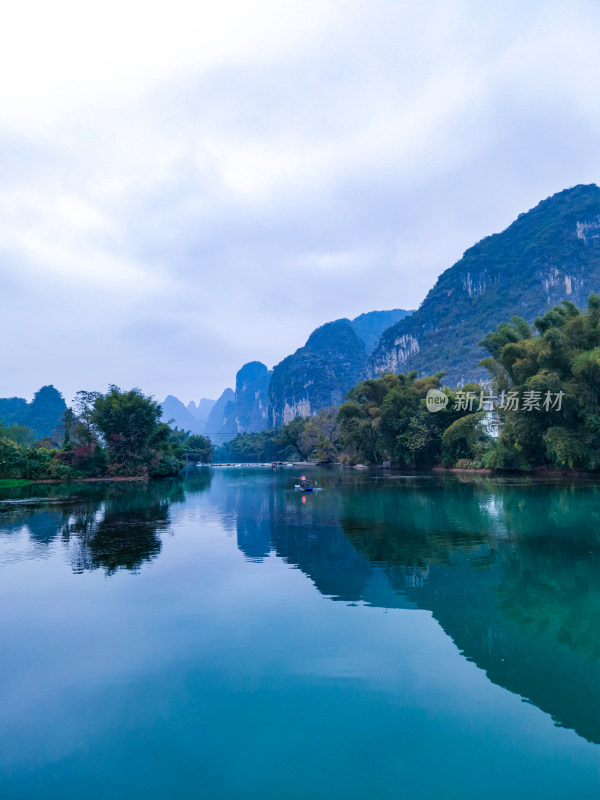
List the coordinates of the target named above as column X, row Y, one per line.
column 225, row 636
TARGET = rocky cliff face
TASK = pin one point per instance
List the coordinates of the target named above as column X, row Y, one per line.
column 371, row 325
column 252, row 398
column 549, row 254
column 317, row 375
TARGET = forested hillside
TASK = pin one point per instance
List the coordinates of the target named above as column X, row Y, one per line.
column 549, row 254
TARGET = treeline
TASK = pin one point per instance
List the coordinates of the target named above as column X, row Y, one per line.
column 119, row 433
column 303, row 438
column 384, row 419
column 540, row 408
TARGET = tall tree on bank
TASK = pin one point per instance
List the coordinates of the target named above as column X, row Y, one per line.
column 137, row 442
column 559, row 372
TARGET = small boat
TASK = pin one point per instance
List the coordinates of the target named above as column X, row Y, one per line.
column 304, row 485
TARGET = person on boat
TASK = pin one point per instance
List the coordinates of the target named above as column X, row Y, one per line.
column 303, row 481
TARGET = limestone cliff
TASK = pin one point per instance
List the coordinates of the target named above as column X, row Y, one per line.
column 317, row 375
column 252, row 398
column 549, row 254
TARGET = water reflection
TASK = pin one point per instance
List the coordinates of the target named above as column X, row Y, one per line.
column 511, row 572
column 107, row 526
column 123, row 530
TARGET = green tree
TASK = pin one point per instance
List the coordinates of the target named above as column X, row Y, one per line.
column 21, row 434
column 137, row 442
column 198, row 449
column 563, row 360
column 386, row 419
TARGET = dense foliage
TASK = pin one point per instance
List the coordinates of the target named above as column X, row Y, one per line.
column 136, row 441
column 564, row 359
column 254, row 448
column 302, row 438
column 114, row 434
column 386, row 419
column 197, row 449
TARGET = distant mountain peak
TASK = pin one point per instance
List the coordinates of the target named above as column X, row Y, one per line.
column 173, row 409
column 202, row 410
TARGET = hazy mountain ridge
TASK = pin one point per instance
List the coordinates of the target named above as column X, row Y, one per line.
column 202, row 409
column 43, row 414
column 316, row 376
column 174, row 410
column 220, row 423
column 548, row 254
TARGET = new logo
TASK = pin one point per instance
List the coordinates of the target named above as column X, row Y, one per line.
column 436, row 400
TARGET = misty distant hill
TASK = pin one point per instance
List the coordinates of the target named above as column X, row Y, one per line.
column 549, row 254
column 175, row 412
column 316, row 376
column 202, row 410
column 43, row 415
column 220, row 426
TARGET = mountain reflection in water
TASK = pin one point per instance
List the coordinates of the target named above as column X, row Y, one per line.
column 509, row 568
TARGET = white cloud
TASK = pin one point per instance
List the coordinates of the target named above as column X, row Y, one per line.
column 222, row 178
column 54, row 56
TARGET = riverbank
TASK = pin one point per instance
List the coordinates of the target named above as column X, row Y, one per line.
column 10, row 483
column 538, row 472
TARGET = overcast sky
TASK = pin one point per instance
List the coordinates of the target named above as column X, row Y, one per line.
column 187, row 186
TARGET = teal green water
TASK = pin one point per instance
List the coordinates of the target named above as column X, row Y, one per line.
column 227, row 637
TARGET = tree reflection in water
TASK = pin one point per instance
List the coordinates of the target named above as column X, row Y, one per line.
column 108, row 526
column 123, row 530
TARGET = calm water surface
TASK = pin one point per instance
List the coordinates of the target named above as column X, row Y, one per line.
column 226, row 637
